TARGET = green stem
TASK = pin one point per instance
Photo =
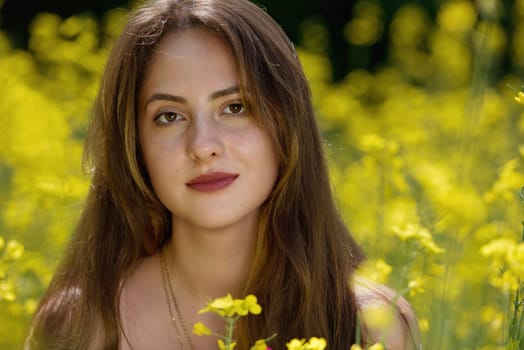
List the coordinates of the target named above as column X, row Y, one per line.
column 229, row 332
column 223, row 337
column 522, row 222
column 518, row 305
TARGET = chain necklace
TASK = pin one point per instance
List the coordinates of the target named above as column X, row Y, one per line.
column 171, row 300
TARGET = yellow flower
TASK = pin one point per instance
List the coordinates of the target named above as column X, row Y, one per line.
column 423, row 324
column 377, row 346
column 224, row 306
column 377, row 316
column 509, row 181
column 247, row 305
column 7, row 291
column 316, row 344
column 520, row 97
column 230, row 309
column 201, row 329
column 227, row 306
column 375, row 270
column 497, row 248
column 356, row 347
column 378, row 146
column 295, row 344
column 260, row 345
column 420, row 234
column 506, row 281
column 252, row 305
column 223, row 346
column 515, row 260
column 416, row 286
column 492, row 317
column 14, row 250
column 222, row 303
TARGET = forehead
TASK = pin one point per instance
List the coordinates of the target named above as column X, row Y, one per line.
column 192, row 46
column 189, row 62
column 190, row 58
column 194, row 40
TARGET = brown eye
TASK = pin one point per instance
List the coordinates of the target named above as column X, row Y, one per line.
column 167, row 117
column 234, row 108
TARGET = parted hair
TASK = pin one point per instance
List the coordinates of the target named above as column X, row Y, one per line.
column 305, row 255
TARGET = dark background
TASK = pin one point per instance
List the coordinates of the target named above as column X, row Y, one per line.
column 16, row 15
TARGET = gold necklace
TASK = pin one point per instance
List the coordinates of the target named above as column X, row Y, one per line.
column 171, row 298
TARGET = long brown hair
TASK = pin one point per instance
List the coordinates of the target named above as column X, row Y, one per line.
column 305, row 256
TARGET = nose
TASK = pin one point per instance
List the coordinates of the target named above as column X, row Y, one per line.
column 204, row 141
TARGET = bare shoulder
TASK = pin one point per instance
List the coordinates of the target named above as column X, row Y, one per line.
column 136, row 289
column 142, row 305
column 144, row 274
column 386, row 316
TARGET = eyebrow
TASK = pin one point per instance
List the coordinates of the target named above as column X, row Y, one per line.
column 175, row 98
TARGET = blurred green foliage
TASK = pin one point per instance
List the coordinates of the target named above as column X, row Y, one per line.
column 426, row 156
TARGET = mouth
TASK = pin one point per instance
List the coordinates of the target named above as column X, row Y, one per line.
column 211, row 182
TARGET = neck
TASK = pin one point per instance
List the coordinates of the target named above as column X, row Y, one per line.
column 207, row 264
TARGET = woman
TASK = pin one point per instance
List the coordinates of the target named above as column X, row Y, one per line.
column 209, row 178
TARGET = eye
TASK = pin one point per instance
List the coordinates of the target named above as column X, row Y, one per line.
column 234, row 108
column 168, row 117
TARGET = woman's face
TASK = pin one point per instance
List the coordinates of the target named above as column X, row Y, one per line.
column 209, row 162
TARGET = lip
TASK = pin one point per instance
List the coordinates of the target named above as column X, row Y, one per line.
column 211, row 182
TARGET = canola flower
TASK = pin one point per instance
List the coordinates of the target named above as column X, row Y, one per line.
column 229, row 307
column 401, row 148
column 377, row 346
column 375, row 270
column 417, row 286
column 378, row 317
column 507, row 263
column 10, row 252
column 231, row 310
column 507, row 274
column 313, row 343
column 520, row 97
column 419, row 234
column 260, row 345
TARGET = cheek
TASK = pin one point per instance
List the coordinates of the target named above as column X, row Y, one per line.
column 268, row 159
column 271, row 151
column 272, row 162
column 161, row 158
column 149, row 157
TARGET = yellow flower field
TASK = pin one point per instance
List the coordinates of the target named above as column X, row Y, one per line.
column 426, row 156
